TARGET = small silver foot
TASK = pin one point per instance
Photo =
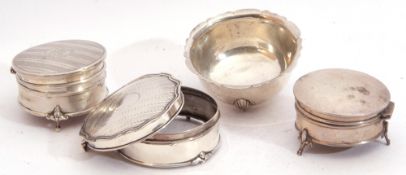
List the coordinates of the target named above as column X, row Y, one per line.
column 385, row 132
column 242, row 104
column 12, row 71
column 84, row 146
column 305, row 140
column 386, row 114
column 201, row 158
column 57, row 115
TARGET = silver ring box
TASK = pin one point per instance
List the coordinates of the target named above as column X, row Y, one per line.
column 341, row 108
column 133, row 121
column 60, row 79
column 245, row 56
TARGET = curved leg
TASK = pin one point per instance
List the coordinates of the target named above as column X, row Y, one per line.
column 84, row 146
column 385, row 132
column 12, row 71
column 305, row 140
column 386, row 114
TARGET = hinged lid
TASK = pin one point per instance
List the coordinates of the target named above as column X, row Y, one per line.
column 134, row 112
column 59, row 62
column 341, row 95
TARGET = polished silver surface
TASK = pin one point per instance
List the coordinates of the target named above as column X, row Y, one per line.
column 182, row 148
column 43, row 104
column 141, row 122
column 61, row 79
column 341, row 108
column 66, row 88
column 133, row 112
column 243, row 57
column 59, row 62
column 342, row 94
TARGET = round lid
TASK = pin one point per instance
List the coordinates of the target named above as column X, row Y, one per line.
column 58, row 58
column 132, row 113
column 341, row 94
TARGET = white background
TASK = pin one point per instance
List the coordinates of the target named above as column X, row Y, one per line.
column 148, row 37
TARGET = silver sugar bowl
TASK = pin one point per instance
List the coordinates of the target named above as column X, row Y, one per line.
column 245, row 56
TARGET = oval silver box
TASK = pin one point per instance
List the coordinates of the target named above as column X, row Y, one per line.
column 245, row 56
column 61, row 79
column 341, row 108
column 138, row 121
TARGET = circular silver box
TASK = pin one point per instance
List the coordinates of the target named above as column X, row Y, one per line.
column 133, row 121
column 60, row 79
column 341, row 108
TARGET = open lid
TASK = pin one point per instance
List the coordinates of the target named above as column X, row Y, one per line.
column 59, row 62
column 341, row 95
column 134, row 112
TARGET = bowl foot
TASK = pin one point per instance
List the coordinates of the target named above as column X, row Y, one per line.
column 242, row 104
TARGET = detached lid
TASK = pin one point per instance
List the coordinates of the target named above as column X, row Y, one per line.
column 341, row 95
column 59, row 62
column 134, row 112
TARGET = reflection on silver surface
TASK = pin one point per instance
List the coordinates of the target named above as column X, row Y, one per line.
column 180, row 124
column 152, row 121
column 59, row 62
column 341, row 108
column 133, row 112
column 245, row 56
column 183, row 147
column 61, row 79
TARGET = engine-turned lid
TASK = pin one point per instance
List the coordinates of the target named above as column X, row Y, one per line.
column 59, row 62
column 134, row 112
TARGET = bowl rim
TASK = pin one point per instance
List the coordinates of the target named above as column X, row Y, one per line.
column 241, row 13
